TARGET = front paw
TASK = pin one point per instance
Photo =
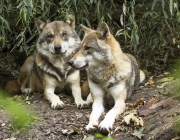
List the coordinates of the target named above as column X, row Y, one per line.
column 82, row 104
column 56, row 103
column 92, row 126
column 106, row 126
column 26, row 90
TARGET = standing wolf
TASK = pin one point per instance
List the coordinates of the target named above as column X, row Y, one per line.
column 48, row 70
column 112, row 74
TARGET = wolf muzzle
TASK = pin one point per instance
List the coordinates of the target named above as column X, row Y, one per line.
column 70, row 62
column 58, row 49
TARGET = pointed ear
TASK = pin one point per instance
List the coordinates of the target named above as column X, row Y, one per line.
column 103, row 31
column 85, row 29
column 70, row 19
column 39, row 24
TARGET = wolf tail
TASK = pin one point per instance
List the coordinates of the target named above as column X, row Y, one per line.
column 85, row 90
column 142, row 76
column 12, row 87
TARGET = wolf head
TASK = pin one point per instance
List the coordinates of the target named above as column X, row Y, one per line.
column 56, row 38
column 96, row 48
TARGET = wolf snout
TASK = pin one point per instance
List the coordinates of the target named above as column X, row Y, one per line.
column 70, row 62
column 57, row 47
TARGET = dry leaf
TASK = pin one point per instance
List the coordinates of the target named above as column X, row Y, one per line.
column 138, row 102
column 132, row 117
column 69, row 131
column 176, row 138
column 150, row 81
column 89, row 137
column 139, row 133
column 167, row 79
column 78, row 115
column 12, row 138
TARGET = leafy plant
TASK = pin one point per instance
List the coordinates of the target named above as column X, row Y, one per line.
column 149, row 30
column 102, row 137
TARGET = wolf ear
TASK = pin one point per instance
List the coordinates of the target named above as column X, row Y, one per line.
column 103, row 31
column 85, row 29
column 39, row 24
column 70, row 19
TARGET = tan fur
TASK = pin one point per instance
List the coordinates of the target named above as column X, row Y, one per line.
column 112, row 75
column 85, row 90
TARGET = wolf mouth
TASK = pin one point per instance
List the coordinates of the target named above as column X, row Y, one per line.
column 59, row 52
column 83, row 67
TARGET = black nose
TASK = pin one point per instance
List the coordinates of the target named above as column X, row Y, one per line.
column 70, row 62
column 57, row 47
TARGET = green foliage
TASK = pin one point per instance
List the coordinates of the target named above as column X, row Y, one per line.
column 177, row 126
column 99, row 136
column 20, row 115
column 89, row 12
column 175, row 85
column 149, row 30
column 102, row 137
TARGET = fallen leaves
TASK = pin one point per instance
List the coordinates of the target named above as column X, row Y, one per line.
column 150, row 81
column 138, row 103
column 166, row 79
column 138, row 133
column 69, row 131
column 135, row 120
column 132, row 117
column 12, row 138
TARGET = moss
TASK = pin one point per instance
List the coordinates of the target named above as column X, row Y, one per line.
column 174, row 86
column 177, row 126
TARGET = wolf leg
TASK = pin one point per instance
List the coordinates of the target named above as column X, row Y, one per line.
column 49, row 84
column 76, row 92
column 25, row 73
column 74, row 80
column 119, row 95
column 89, row 98
column 53, row 98
column 142, row 76
column 97, row 108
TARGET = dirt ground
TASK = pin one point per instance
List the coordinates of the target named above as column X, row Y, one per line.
column 158, row 113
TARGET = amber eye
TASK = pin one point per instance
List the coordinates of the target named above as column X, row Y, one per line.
column 64, row 34
column 50, row 35
column 87, row 48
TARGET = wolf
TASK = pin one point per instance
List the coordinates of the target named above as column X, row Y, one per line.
column 47, row 71
column 112, row 75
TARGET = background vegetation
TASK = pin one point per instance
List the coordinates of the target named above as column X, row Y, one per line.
column 20, row 116
column 147, row 29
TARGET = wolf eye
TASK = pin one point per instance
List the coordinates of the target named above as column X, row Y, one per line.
column 87, row 48
column 64, row 34
column 50, row 35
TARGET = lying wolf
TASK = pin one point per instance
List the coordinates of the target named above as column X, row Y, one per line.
column 48, row 70
column 112, row 74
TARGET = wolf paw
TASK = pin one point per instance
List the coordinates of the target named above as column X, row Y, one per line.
column 105, row 126
column 56, row 103
column 92, row 126
column 26, row 90
column 82, row 104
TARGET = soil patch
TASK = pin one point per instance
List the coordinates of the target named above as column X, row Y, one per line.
column 157, row 111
